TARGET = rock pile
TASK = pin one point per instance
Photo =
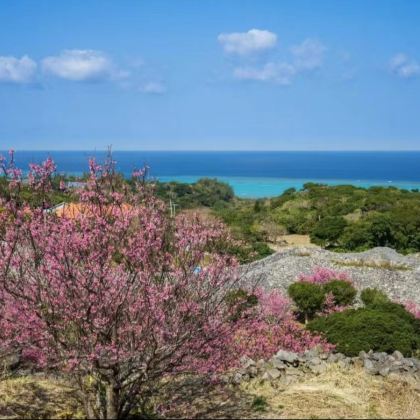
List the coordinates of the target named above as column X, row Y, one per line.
column 395, row 274
column 288, row 367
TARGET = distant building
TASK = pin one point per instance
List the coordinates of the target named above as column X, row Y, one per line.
column 75, row 184
column 73, row 210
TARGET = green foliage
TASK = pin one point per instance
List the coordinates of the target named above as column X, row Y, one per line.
column 205, row 192
column 328, row 230
column 383, row 327
column 259, row 403
column 350, row 218
column 343, row 291
column 373, row 296
column 308, row 297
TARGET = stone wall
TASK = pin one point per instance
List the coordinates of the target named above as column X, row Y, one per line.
column 288, row 367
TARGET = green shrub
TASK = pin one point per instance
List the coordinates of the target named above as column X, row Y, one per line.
column 308, row 297
column 385, row 327
column 398, row 310
column 343, row 291
column 259, row 403
column 370, row 296
column 328, row 230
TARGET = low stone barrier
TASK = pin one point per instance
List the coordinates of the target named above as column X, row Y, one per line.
column 289, row 367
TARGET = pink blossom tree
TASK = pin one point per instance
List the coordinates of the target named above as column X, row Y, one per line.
column 112, row 294
column 119, row 296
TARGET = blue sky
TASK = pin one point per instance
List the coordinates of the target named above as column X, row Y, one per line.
column 210, row 75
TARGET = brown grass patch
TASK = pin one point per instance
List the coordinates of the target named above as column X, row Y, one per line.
column 340, row 394
column 33, row 397
column 337, row 393
column 386, row 265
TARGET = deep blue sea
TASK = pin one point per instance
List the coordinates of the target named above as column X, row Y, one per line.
column 253, row 174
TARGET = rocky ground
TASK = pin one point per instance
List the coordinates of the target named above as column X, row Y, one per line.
column 384, row 268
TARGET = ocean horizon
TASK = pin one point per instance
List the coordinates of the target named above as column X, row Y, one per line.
column 252, row 174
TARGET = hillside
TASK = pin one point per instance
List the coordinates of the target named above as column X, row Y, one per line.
column 397, row 275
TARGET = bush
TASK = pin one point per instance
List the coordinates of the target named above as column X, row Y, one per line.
column 370, row 296
column 343, row 291
column 384, row 328
column 328, row 230
column 308, row 297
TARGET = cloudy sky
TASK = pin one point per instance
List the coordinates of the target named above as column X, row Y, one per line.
column 210, row 74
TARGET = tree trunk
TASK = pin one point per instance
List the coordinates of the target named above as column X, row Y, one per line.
column 111, row 402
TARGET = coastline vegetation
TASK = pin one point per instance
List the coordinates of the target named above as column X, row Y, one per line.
column 339, row 218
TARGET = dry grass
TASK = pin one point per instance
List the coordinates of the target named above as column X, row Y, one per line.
column 34, row 397
column 337, row 393
column 340, row 394
column 386, row 265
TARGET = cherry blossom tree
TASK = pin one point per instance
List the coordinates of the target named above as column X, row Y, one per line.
column 112, row 294
column 119, row 295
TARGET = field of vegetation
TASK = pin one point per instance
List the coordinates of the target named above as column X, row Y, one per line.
column 118, row 304
column 340, row 218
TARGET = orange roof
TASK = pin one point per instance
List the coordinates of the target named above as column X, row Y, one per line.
column 73, row 210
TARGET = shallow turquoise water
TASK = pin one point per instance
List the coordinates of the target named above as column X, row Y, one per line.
column 250, row 187
column 252, row 174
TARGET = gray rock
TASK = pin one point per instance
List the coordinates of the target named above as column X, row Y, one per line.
column 277, row 363
column 260, row 364
column 363, row 355
column 332, row 358
column 282, row 268
column 246, row 362
column 380, row 357
column 408, row 362
column 237, row 378
column 370, row 367
column 310, row 354
column 384, row 371
column 271, row 374
column 245, row 378
column 318, row 369
column 315, row 361
column 252, row 371
column 287, row 356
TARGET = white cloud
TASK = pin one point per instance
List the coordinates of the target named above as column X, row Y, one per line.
column 404, row 67
column 81, row 65
column 305, row 57
column 153, row 87
column 243, row 43
column 15, row 70
column 281, row 73
column 308, row 55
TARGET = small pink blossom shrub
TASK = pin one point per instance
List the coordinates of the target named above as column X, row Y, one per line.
column 413, row 308
column 322, row 275
column 271, row 327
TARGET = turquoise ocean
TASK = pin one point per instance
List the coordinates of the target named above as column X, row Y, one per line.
column 253, row 174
